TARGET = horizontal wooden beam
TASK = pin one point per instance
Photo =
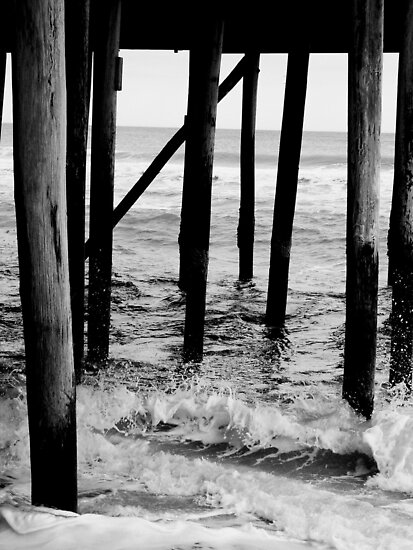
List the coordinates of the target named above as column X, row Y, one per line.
column 269, row 30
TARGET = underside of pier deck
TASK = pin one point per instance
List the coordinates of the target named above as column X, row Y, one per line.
column 268, row 28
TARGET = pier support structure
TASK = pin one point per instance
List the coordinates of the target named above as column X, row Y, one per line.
column 39, row 129
column 204, row 69
column 364, row 119
column 286, row 189
column 165, row 155
column 246, row 224
column 78, row 64
column 3, row 59
column 106, row 52
column 400, row 243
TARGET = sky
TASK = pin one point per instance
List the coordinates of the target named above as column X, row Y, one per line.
column 155, row 87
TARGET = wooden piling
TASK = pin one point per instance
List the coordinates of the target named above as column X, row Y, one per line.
column 246, row 224
column 286, row 188
column 364, row 118
column 78, row 64
column 401, row 218
column 102, row 177
column 39, row 130
column 204, row 68
column 3, row 58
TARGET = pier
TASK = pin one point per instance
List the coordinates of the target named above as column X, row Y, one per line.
column 58, row 50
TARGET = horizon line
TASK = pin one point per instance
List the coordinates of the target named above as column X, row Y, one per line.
column 167, row 127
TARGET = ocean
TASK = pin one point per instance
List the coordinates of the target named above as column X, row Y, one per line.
column 252, row 449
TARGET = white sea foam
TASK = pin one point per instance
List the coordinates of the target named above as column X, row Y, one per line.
column 284, row 454
column 199, row 413
column 391, row 441
column 122, row 457
column 43, row 528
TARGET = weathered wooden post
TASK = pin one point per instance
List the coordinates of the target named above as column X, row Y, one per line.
column 3, row 58
column 78, row 62
column 102, row 176
column 401, row 219
column 204, row 68
column 39, row 124
column 246, row 224
column 364, row 118
column 286, row 190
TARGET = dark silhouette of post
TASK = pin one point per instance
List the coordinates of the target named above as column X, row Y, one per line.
column 39, row 125
column 204, row 68
column 3, row 58
column 102, row 176
column 364, row 118
column 286, row 189
column 401, row 218
column 246, row 224
column 78, row 64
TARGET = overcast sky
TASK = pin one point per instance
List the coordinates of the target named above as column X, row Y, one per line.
column 155, row 85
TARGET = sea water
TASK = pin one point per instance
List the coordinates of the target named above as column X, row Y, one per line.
column 252, row 449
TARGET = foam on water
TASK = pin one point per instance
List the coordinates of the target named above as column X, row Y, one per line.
column 32, row 529
column 259, row 451
column 136, row 444
column 391, row 441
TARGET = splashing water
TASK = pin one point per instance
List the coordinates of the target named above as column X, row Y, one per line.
column 254, row 448
column 244, row 474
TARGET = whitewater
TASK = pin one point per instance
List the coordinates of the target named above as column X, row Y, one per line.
column 252, row 449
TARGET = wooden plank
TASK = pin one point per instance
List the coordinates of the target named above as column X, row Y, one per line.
column 364, row 118
column 78, row 64
column 401, row 219
column 166, row 154
column 39, row 124
column 102, row 178
column 286, row 189
column 149, row 175
column 204, row 68
column 246, row 224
